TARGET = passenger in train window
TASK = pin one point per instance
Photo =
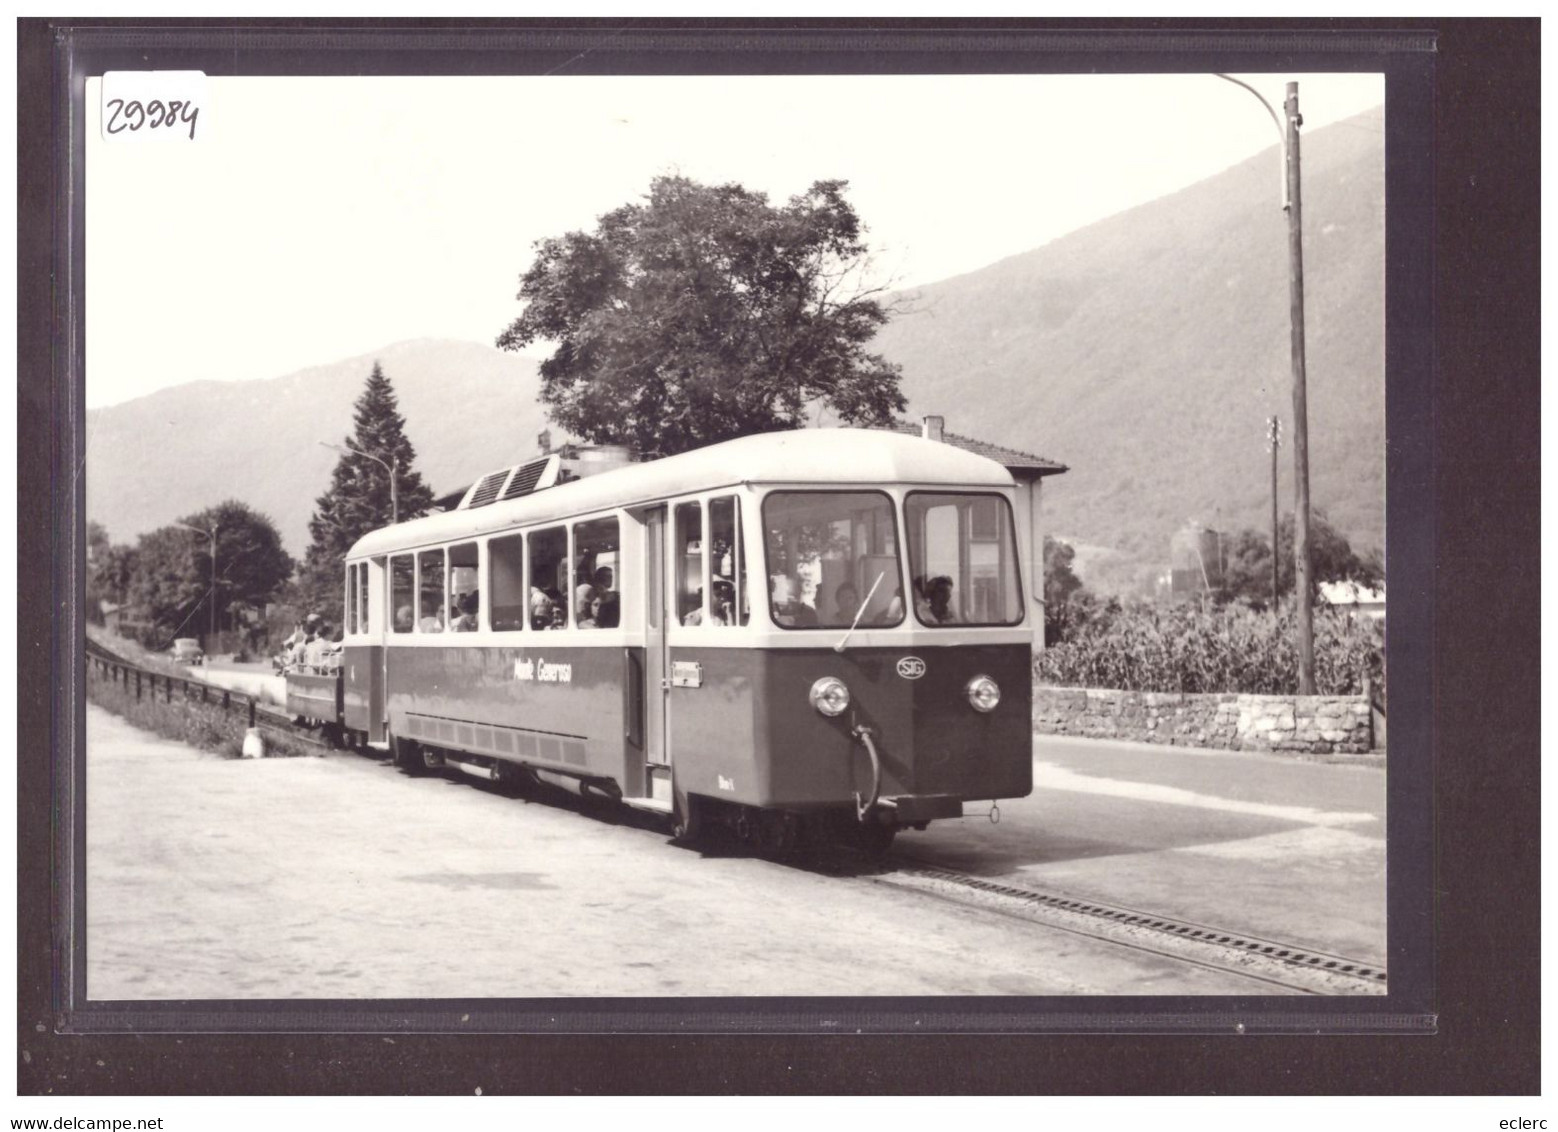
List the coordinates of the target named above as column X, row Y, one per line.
column 590, row 588
column 467, row 605
column 846, row 602
column 789, row 610
column 610, row 614
column 432, row 617
column 938, row 602
column 724, row 600
column 540, row 609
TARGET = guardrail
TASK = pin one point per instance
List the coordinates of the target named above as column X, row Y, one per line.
column 145, row 682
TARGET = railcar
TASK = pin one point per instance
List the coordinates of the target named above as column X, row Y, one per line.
column 820, row 632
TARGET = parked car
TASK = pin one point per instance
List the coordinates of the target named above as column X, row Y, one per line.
column 187, row 650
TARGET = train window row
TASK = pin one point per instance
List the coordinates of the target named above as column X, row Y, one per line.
column 566, row 576
column 833, row 560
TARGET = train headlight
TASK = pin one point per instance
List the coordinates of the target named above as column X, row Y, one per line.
column 829, row 695
column 984, row 693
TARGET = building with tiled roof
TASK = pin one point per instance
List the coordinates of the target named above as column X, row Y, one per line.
column 1014, row 461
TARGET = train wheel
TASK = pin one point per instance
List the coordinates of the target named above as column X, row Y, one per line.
column 686, row 819
column 408, row 755
column 776, row 833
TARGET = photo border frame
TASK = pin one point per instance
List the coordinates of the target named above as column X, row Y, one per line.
column 51, row 407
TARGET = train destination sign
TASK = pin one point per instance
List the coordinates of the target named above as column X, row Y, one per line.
column 542, row 671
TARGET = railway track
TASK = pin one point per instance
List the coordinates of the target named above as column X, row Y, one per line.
column 1291, row 967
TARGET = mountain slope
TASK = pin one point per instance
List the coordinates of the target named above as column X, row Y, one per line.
column 1146, row 351
column 468, row 408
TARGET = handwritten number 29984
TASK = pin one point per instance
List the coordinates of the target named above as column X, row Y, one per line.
column 135, row 115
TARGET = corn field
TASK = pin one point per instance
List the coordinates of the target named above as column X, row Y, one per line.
column 1232, row 649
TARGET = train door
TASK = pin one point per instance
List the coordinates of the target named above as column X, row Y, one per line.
column 656, row 749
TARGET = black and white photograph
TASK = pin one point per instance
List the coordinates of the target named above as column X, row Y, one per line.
column 906, row 536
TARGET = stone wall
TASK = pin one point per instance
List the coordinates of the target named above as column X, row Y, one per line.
column 1305, row 724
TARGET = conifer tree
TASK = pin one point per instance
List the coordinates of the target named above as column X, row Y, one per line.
column 359, row 497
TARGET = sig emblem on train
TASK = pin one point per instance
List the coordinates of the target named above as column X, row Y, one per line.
column 911, row 668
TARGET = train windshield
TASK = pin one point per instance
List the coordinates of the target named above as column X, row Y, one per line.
column 962, row 559
column 832, row 555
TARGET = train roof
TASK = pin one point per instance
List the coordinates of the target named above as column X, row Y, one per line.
column 802, row 456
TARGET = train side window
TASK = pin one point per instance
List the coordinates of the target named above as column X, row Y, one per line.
column 597, row 554
column 362, row 597
column 549, row 578
column 728, row 567
column 464, row 588
column 507, row 603
column 689, row 563
column 351, row 598
column 430, row 570
column 403, row 592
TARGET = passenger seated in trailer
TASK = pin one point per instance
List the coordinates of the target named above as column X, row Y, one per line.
column 299, row 656
column 609, row 613
column 432, row 617
column 403, row 619
column 321, row 654
column 789, row 610
column 468, row 605
column 559, row 610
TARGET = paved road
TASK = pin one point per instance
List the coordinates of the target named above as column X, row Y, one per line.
column 1253, row 842
column 340, row 877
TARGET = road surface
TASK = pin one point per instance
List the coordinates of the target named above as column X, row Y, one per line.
column 340, row 877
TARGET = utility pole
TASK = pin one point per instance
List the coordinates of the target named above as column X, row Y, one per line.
column 1273, row 442
column 1291, row 204
column 1306, row 629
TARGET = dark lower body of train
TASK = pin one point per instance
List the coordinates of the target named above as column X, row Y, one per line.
column 783, row 746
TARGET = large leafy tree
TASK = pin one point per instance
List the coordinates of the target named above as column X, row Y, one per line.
column 1247, row 572
column 359, row 498
column 172, row 574
column 706, row 313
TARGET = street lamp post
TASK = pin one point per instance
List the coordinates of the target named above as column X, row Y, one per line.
column 211, row 534
column 1292, row 205
column 393, row 468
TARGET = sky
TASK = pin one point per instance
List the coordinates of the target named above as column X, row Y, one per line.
column 316, row 219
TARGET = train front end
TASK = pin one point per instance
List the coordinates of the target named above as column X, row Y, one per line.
column 890, row 685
